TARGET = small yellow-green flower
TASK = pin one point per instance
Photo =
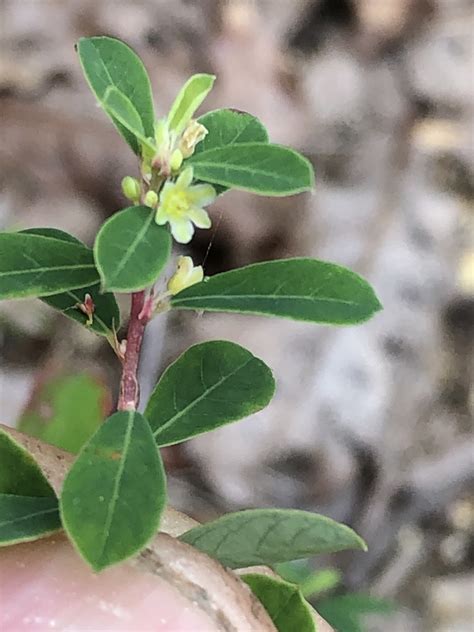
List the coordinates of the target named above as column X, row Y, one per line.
column 181, row 205
column 186, row 274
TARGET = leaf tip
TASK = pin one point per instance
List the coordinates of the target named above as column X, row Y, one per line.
column 376, row 304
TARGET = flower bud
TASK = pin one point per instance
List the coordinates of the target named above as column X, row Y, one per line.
column 192, row 135
column 131, row 188
column 186, row 275
column 151, row 199
column 87, row 308
column 176, row 160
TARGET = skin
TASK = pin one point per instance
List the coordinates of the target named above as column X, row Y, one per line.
column 169, row 587
column 45, row 585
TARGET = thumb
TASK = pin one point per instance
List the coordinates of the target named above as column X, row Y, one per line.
column 46, row 586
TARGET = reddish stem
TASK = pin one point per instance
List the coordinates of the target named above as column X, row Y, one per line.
column 129, row 387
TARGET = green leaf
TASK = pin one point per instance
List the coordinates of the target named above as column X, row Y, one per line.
column 131, row 250
column 211, row 384
column 115, row 492
column 20, row 475
column 106, row 318
column 109, row 62
column 295, row 572
column 321, row 581
column 24, row 518
column 345, row 612
column 301, row 289
column 284, row 603
column 270, row 536
column 54, row 233
column 310, row 581
column 190, row 97
column 229, row 127
column 66, row 410
column 35, row 265
column 121, row 108
column 28, row 504
column 261, row 168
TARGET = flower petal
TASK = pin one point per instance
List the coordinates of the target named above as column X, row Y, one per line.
column 161, row 216
column 182, row 230
column 185, row 178
column 196, row 276
column 202, row 194
column 199, row 217
column 185, row 266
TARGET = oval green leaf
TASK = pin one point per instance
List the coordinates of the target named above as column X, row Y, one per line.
column 261, row 168
column 121, row 109
column 19, row 473
column 210, row 385
column 301, row 289
column 115, row 492
column 229, row 127
column 131, row 250
column 270, row 536
column 109, row 62
column 36, row 265
column 106, row 318
column 28, row 504
column 284, row 603
column 25, row 518
column 190, row 97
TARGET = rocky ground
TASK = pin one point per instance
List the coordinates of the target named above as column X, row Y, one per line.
column 371, row 425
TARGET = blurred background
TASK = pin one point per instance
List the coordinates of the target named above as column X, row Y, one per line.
column 371, row 425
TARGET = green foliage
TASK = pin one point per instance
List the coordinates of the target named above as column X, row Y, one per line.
column 311, row 582
column 284, row 603
column 121, row 109
column 229, row 127
column 35, row 265
column 24, row 518
column 75, row 407
column 28, row 505
column 131, row 250
column 345, row 612
column 192, row 94
column 108, row 62
column 211, row 384
column 301, row 289
column 320, row 581
column 269, row 536
column 19, row 472
column 106, row 318
column 115, row 492
column 260, row 168
column 54, row 233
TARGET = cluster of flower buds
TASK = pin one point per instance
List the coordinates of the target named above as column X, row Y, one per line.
column 172, row 150
column 177, row 201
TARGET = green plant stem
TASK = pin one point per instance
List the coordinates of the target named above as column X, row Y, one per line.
column 129, row 387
